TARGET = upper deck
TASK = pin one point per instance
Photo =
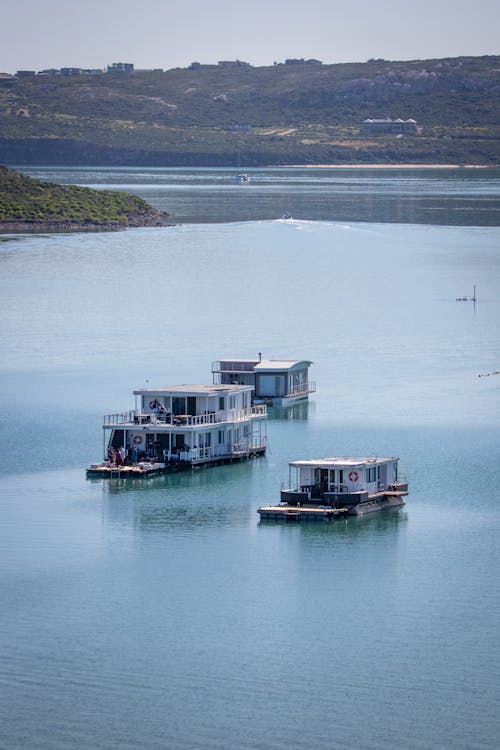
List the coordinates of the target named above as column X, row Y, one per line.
column 135, row 417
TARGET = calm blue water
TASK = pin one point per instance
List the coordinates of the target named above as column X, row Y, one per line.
column 163, row 614
column 412, row 195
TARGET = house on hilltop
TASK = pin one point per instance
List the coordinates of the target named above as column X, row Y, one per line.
column 121, row 67
column 387, row 126
column 233, row 64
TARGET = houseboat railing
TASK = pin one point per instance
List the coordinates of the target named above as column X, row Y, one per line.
column 126, row 417
column 215, row 451
column 300, row 388
column 227, row 365
column 133, row 417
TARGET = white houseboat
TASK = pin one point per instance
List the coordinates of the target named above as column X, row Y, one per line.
column 279, row 382
column 184, row 425
column 330, row 487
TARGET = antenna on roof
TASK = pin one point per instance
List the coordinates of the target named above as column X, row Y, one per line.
column 260, row 353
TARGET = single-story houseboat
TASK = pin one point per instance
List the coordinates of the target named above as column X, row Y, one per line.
column 280, row 382
column 184, row 425
column 332, row 487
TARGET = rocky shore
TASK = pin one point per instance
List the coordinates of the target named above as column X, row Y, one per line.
column 37, row 227
column 29, row 205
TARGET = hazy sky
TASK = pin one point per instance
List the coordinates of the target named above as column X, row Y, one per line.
column 39, row 34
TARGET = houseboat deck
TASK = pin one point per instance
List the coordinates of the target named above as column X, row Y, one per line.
column 283, row 512
column 293, row 513
column 144, row 470
column 141, row 471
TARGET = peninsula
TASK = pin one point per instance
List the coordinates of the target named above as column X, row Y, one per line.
column 29, row 205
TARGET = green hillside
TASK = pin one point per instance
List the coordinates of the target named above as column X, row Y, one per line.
column 283, row 114
column 25, row 201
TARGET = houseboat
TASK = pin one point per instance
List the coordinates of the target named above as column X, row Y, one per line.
column 324, row 488
column 275, row 381
column 183, row 425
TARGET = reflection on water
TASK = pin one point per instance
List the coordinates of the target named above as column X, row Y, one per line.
column 207, row 498
column 294, row 411
column 349, row 528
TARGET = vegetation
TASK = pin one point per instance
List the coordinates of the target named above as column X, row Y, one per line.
column 25, row 201
column 283, row 114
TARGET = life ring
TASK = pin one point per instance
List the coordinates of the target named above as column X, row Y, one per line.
column 153, row 404
column 137, row 439
column 353, row 476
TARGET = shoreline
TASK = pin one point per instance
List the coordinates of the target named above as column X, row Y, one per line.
column 66, row 227
column 391, row 166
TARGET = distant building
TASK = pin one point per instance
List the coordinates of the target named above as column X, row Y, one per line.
column 233, row 64
column 71, row 71
column 384, row 126
column 220, row 64
column 25, row 73
column 200, row 66
column 49, row 72
column 121, row 67
column 301, row 61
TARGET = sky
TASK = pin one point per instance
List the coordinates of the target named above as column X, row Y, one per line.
column 168, row 34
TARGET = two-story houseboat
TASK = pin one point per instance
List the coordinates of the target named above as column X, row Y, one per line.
column 185, row 425
column 280, row 382
column 331, row 487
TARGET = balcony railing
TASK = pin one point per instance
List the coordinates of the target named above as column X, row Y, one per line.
column 134, row 417
column 216, row 451
column 302, row 388
column 227, row 365
column 126, row 417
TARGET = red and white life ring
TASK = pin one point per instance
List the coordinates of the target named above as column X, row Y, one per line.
column 137, row 439
column 353, row 476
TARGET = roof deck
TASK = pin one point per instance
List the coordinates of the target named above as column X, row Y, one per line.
column 341, row 462
column 192, row 390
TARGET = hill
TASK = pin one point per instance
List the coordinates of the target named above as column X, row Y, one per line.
column 32, row 205
column 282, row 114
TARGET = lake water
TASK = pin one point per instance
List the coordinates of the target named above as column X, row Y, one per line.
column 162, row 614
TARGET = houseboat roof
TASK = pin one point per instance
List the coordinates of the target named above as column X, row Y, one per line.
column 193, row 390
column 343, row 461
column 281, row 364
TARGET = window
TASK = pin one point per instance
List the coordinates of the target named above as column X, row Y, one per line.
column 371, row 474
column 222, row 437
column 221, row 403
